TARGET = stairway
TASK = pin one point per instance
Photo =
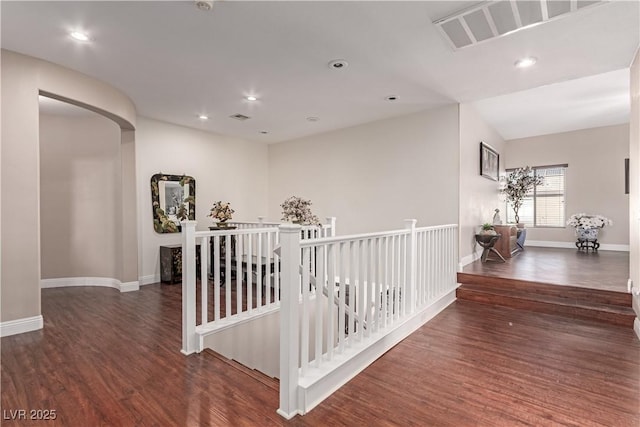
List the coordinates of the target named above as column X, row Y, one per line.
column 582, row 303
column 272, row 383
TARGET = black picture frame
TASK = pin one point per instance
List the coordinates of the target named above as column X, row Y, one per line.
column 489, row 162
column 626, row 176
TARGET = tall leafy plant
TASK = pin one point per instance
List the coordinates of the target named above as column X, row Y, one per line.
column 517, row 185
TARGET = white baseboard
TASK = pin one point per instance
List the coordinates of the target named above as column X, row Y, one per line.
column 108, row 282
column 150, row 279
column 469, row 259
column 572, row 245
column 636, row 327
column 20, row 326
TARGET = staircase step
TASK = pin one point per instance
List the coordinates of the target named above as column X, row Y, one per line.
column 571, row 292
column 605, row 306
column 272, row 383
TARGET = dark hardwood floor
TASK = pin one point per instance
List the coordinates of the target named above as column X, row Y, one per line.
column 112, row 359
column 604, row 270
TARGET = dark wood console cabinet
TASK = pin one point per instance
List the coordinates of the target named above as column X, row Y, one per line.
column 171, row 263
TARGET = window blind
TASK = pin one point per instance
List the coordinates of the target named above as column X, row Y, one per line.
column 544, row 206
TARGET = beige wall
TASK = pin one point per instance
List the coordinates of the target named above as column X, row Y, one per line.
column 373, row 176
column 224, row 168
column 479, row 196
column 634, row 190
column 594, row 178
column 22, row 78
column 79, row 196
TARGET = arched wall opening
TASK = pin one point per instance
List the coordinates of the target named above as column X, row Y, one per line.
column 23, row 79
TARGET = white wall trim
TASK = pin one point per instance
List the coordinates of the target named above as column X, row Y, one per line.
column 108, row 282
column 470, row 258
column 636, row 327
column 572, row 245
column 20, row 326
column 150, row 279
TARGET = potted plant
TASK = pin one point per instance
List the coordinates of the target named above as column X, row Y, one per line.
column 587, row 226
column 298, row 211
column 221, row 212
column 517, row 184
column 487, row 229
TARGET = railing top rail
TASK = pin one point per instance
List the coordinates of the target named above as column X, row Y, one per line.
column 353, row 237
column 437, row 227
column 356, row 237
column 235, row 231
column 255, row 222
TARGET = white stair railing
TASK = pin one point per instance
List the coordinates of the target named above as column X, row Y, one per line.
column 239, row 280
column 347, row 293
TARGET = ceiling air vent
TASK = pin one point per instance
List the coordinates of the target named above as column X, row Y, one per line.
column 491, row 19
column 240, row 117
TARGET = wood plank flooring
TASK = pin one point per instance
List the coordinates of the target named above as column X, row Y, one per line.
column 112, row 359
column 605, row 270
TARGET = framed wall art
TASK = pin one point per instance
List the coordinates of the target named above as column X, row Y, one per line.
column 489, row 162
column 173, row 199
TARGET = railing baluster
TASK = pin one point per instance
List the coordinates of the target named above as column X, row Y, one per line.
column 331, row 286
column 259, row 271
column 269, row 262
column 204, row 283
column 321, row 282
column 341, row 299
column 304, row 327
column 352, row 292
column 249, row 273
column 239, row 282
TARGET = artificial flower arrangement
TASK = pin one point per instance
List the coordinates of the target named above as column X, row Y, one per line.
column 517, row 184
column 221, row 211
column 582, row 220
column 298, row 210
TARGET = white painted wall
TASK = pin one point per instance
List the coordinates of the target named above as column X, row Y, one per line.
column 79, row 196
column 22, row 78
column 225, row 168
column 594, row 178
column 634, row 190
column 479, row 196
column 373, row 176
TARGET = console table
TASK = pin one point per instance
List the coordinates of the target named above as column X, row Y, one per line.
column 222, row 250
column 507, row 245
column 171, row 263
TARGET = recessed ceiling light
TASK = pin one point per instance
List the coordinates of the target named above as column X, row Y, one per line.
column 264, row 132
column 251, row 98
column 203, row 117
column 312, row 119
column 338, row 64
column 79, row 36
column 525, row 62
column 391, row 98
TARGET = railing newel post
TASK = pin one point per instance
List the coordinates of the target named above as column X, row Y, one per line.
column 289, row 318
column 189, row 341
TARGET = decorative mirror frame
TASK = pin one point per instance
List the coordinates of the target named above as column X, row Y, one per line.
column 173, row 198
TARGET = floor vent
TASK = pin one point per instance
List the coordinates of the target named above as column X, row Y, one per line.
column 493, row 19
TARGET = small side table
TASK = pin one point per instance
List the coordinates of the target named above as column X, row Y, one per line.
column 171, row 263
column 488, row 241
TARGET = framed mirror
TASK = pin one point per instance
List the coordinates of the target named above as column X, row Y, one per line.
column 173, row 199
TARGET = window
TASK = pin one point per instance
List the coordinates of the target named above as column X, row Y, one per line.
column 544, row 205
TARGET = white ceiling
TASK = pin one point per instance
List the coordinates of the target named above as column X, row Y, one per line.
column 176, row 62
